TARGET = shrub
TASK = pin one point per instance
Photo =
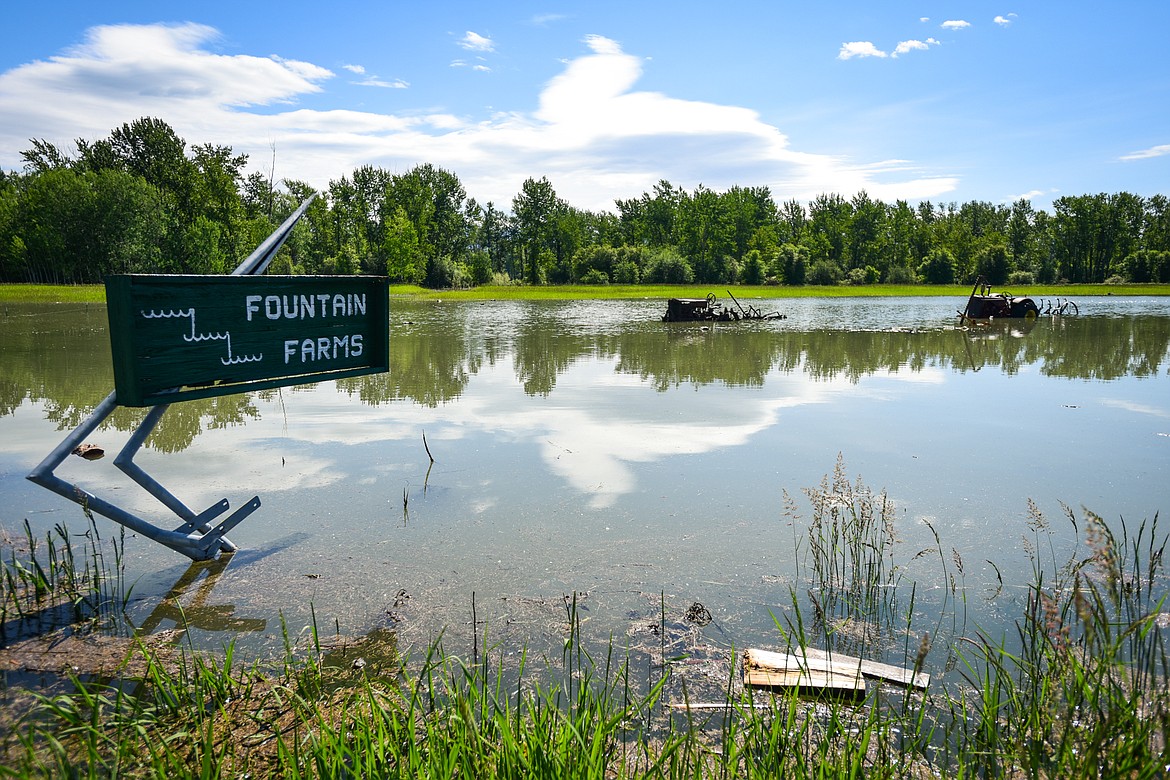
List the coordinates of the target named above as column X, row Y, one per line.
column 823, row 272
column 626, row 272
column 595, row 276
column 938, row 267
column 753, row 268
column 901, row 275
column 667, row 266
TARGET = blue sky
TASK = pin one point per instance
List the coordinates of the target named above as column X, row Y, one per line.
column 940, row 101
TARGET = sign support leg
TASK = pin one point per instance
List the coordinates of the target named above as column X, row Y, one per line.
column 196, row 545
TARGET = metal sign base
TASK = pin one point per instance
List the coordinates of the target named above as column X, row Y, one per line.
column 195, row 537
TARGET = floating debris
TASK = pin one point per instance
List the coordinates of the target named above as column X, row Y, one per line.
column 709, row 309
column 698, row 614
column 984, row 305
column 89, row 451
column 811, row 668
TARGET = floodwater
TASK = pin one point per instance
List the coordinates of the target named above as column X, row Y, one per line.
column 588, row 448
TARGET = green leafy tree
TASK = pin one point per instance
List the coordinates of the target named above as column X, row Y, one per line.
column 71, row 227
column 435, row 202
column 904, row 241
column 258, row 197
column 830, row 217
column 535, row 210
column 627, row 272
column 594, row 258
column 868, row 238
column 479, row 267
column 44, row 156
column 404, row 260
column 650, row 219
column 216, row 198
column 1147, row 265
column 706, row 235
column 349, row 226
column 1155, row 230
column 1021, row 235
column 1093, row 234
column 572, row 229
column 491, row 233
column 148, row 148
column 792, row 222
column 753, row 216
column 311, row 243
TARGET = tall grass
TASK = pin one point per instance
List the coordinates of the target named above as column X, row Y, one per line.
column 1076, row 688
column 45, row 584
column 1082, row 690
column 848, row 561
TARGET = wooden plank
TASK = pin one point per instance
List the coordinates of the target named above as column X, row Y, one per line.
column 888, row 672
column 804, row 678
column 813, row 660
column 715, row 705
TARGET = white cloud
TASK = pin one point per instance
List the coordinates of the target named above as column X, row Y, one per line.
column 594, row 135
column 924, row 19
column 371, row 80
column 955, row 24
column 867, row 49
column 377, row 82
column 859, row 49
column 906, row 47
column 602, row 45
column 479, row 67
column 1145, row 154
column 1004, row 21
column 475, row 42
column 1031, row 195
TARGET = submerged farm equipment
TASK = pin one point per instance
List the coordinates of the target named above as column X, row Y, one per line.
column 709, row 309
column 985, row 305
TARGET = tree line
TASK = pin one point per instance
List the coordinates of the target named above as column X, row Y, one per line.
column 142, row 201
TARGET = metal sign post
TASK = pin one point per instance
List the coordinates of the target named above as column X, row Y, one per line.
column 182, row 337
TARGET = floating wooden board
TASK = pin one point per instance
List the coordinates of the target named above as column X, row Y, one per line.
column 804, row 678
column 815, row 668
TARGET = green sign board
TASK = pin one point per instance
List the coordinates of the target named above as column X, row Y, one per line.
column 181, row 337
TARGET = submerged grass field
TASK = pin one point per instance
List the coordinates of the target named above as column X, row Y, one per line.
column 664, row 291
column 1074, row 687
column 97, row 294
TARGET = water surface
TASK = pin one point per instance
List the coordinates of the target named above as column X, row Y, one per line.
column 587, row 447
